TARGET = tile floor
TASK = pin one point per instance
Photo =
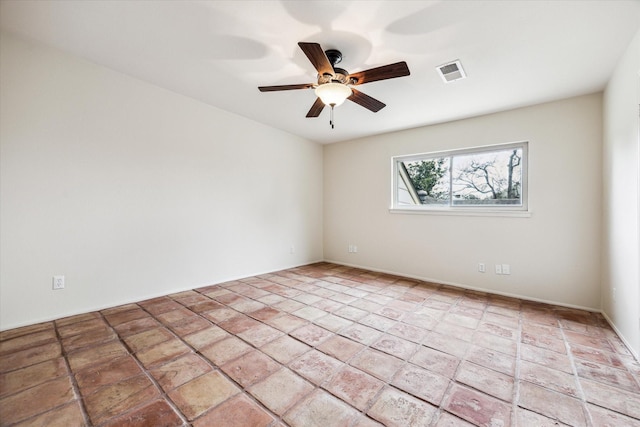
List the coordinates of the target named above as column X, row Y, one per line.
column 321, row 345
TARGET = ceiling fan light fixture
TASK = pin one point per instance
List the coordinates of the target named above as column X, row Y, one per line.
column 333, row 94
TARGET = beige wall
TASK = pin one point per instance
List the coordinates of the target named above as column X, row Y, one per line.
column 132, row 191
column 554, row 254
column 621, row 257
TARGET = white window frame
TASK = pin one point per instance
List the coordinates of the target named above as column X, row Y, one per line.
column 474, row 210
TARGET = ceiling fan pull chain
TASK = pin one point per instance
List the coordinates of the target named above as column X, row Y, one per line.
column 331, row 118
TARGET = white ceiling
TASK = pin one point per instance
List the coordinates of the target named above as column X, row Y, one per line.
column 515, row 53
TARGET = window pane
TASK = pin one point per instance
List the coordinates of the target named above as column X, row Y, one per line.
column 487, row 178
column 427, row 183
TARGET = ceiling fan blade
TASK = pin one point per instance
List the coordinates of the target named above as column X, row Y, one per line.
column 285, row 87
column 316, row 108
column 391, row 71
column 317, row 57
column 366, row 101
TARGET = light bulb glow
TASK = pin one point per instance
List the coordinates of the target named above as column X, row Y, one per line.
column 333, row 93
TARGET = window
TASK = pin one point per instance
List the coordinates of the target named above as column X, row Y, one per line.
column 491, row 178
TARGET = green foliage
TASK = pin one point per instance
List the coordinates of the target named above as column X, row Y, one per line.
column 425, row 174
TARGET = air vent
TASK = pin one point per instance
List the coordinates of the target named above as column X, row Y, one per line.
column 451, row 71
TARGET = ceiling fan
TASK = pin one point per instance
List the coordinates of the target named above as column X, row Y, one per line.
column 336, row 84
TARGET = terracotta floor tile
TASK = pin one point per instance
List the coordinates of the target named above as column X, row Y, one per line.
column 155, row 414
column 462, row 320
column 190, row 326
column 408, row 332
column 315, row 366
column 448, row 420
column 250, row 368
column 260, row 335
column 376, row 363
column 32, row 329
column 455, row 348
column 223, row 351
column 107, row 372
column 159, row 305
column 351, row 313
column 285, row 349
column 606, row 374
column 81, row 327
column 354, row 387
column 477, row 408
column 453, row 330
column 238, row 324
column 247, row 306
column 605, row 418
column 486, row 380
column 603, row 395
column 180, row 371
column 494, row 342
column 390, row 313
column 365, row 421
column 281, row 390
column 136, row 326
column 102, row 353
column 436, row 361
column 395, row 346
column 333, row 323
column 289, row 305
column 36, row 400
column 421, row 383
column 596, row 342
column 362, row 334
column 97, row 336
column 311, row 334
column 239, row 411
column 321, row 409
column 126, row 316
column 547, row 358
column 309, row 313
column 29, row 356
column 528, row 418
column 220, row 315
column 176, row 316
column 265, row 313
column 116, row 399
column 148, row 338
column 595, row 355
column 70, row 415
column 341, row 348
column 397, row 409
column 203, row 393
column 549, row 378
column 286, row 322
column 162, row 352
column 378, row 322
column 206, row 337
column 446, row 344
column 27, row 341
column 551, row 404
column 491, row 359
column 22, row 379
column 205, row 306
column 498, row 330
column 544, row 341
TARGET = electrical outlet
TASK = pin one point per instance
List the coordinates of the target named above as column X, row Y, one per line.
column 355, row 249
column 292, row 249
column 498, row 268
column 506, row 269
column 58, row 282
column 481, row 267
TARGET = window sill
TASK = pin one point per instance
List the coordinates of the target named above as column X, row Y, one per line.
column 463, row 212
